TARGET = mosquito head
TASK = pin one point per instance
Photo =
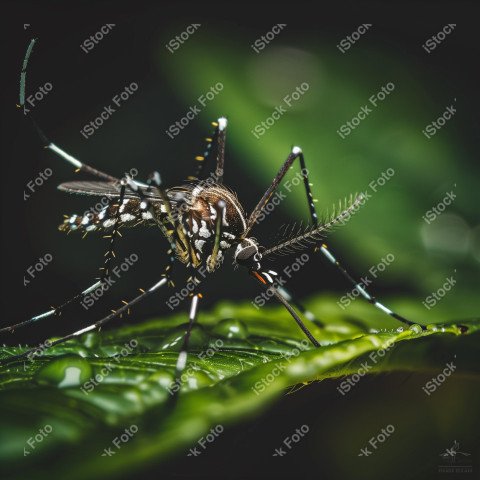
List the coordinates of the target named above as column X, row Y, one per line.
column 247, row 254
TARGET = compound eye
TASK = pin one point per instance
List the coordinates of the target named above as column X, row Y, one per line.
column 245, row 253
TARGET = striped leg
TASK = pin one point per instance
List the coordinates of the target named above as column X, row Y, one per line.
column 363, row 292
column 216, row 255
column 294, row 154
column 215, row 143
column 308, row 314
column 95, row 326
column 253, row 218
column 326, row 252
column 105, row 272
column 268, row 284
column 183, row 354
column 79, row 166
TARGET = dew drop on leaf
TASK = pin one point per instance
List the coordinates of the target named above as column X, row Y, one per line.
column 231, row 328
column 63, row 372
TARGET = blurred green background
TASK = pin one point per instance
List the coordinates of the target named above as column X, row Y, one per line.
column 254, row 84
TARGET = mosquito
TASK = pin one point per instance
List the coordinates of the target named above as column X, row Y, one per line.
column 201, row 220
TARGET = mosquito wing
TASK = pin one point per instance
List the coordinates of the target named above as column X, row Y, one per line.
column 103, row 189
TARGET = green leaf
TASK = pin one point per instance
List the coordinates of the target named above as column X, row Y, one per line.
column 242, row 359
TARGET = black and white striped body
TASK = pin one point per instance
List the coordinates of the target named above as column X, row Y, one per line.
column 199, row 220
column 195, row 205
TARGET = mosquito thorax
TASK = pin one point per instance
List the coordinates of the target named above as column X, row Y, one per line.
column 203, row 209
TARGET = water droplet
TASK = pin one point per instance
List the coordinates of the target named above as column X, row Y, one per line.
column 416, row 328
column 432, row 327
column 231, row 328
column 400, row 329
column 63, row 372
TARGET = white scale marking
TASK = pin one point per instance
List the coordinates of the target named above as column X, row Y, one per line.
column 182, row 360
column 222, row 123
column 43, row 315
column 193, row 308
column 84, row 330
column 296, row 150
column 199, row 244
column 196, row 191
column 328, row 255
column 224, row 217
column 108, row 223
column 213, row 212
column 127, row 217
column 204, row 231
column 157, row 285
column 362, row 291
column 382, row 307
column 76, row 163
column 92, row 288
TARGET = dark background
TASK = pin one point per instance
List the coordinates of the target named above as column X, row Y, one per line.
column 134, row 137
